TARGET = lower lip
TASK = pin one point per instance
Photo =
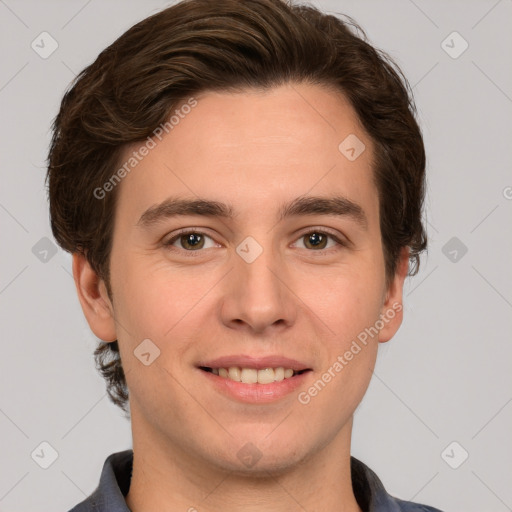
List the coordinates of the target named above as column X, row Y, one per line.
column 255, row 393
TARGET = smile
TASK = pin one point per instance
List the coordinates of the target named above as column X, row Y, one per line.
column 255, row 379
column 253, row 375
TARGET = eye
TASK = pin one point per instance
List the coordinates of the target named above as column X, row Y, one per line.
column 191, row 241
column 318, row 240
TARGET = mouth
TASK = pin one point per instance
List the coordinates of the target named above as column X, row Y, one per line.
column 255, row 380
column 247, row 375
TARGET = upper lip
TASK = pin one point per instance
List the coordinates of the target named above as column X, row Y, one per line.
column 258, row 363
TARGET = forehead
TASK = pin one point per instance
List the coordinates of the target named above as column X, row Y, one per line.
column 277, row 120
column 254, row 145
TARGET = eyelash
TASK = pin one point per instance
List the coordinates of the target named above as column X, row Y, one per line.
column 169, row 243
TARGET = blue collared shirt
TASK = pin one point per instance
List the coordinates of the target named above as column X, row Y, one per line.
column 114, row 484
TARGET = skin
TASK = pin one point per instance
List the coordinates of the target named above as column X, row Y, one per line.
column 254, row 151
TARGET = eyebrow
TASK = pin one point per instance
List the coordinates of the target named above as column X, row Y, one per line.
column 305, row 205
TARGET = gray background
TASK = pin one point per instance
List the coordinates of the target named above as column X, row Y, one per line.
column 445, row 377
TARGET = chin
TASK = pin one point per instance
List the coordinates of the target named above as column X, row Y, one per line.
column 268, row 457
column 267, row 466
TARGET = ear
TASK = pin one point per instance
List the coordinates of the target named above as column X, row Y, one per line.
column 392, row 308
column 93, row 296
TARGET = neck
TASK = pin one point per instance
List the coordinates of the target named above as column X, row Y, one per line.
column 168, row 478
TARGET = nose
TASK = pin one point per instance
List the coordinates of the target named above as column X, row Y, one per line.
column 257, row 298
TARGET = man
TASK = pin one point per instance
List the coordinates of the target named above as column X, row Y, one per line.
column 241, row 186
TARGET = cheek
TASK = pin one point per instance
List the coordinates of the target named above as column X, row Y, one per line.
column 151, row 304
column 348, row 309
column 344, row 301
column 157, row 303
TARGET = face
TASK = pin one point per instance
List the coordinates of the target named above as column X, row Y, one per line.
column 278, row 270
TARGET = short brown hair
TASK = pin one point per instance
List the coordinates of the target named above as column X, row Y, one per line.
column 224, row 45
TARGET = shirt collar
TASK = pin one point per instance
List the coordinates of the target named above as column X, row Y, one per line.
column 115, row 478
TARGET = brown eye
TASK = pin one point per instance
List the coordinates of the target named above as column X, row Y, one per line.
column 192, row 241
column 315, row 240
column 319, row 241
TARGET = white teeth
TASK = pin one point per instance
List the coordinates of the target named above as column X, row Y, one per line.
column 249, row 376
column 279, row 374
column 266, row 376
column 253, row 376
column 234, row 373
